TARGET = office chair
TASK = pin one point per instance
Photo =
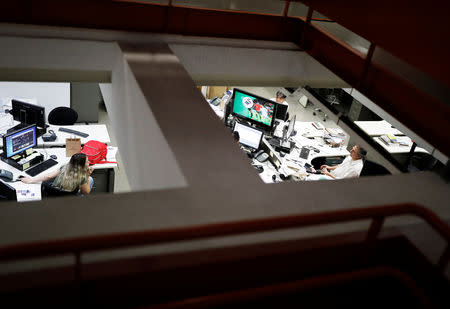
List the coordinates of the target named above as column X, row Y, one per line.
column 48, row 190
column 62, row 116
column 373, row 169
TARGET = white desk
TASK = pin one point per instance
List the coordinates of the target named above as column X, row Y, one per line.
column 293, row 158
column 396, row 148
column 305, row 129
column 377, row 128
column 62, row 160
column 97, row 132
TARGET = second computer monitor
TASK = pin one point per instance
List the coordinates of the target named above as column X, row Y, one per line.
column 281, row 111
column 28, row 114
column 290, row 130
column 18, row 141
column 248, row 136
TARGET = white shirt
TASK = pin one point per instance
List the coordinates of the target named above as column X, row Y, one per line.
column 349, row 168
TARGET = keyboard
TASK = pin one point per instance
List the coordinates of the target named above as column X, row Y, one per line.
column 304, row 153
column 74, row 132
column 41, row 167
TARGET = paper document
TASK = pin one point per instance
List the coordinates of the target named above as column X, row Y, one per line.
column 28, row 192
column 111, row 154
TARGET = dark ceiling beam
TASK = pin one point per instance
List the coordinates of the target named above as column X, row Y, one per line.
column 415, row 31
column 417, row 110
column 145, row 17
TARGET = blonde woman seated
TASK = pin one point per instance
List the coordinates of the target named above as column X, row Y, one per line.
column 72, row 177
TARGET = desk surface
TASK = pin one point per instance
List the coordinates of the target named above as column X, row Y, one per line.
column 97, row 132
column 61, row 158
column 396, row 148
column 377, row 128
column 305, row 129
column 293, row 160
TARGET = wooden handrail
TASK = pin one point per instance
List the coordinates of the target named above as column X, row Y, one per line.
column 120, row 240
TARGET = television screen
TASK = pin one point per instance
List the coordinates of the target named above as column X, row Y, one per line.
column 254, row 108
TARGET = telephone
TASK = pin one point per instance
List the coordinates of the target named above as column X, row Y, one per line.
column 261, row 156
column 6, row 175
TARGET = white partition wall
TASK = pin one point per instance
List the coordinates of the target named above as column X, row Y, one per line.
column 48, row 95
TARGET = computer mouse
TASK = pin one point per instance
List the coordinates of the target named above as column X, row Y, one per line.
column 54, row 157
column 21, row 176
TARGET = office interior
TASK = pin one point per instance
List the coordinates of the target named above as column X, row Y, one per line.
column 197, row 175
column 390, row 150
column 87, row 101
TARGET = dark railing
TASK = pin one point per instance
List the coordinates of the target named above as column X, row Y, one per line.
column 289, row 288
column 80, row 245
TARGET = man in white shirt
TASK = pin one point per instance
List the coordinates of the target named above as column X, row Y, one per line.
column 351, row 167
column 281, row 98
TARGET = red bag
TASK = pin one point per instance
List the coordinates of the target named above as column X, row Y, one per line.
column 96, row 152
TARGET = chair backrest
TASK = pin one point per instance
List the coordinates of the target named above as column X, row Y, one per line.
column 62, row 116
column 47, row 190
column 372, row 169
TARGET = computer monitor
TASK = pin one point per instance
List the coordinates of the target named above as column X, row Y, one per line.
column 28, row 114
column 273, row 156
column 256, row 110
column 248, row 136
column 290, row 129
column 18, row 141
column 281, row 111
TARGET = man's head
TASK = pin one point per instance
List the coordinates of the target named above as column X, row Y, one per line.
column 281, row 97
column 357, row 152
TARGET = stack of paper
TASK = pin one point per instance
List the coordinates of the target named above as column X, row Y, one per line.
column 336, row 132
column 333, row 140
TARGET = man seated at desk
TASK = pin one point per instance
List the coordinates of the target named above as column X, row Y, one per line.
column 280, row 99
column 350, row 167
column 73, row 177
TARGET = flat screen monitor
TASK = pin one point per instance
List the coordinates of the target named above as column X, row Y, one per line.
column 248, row 136
column 18, row 141
column 290, row 129
column 28, row 114
column 273, row 156
column 253, row 108
column 281, row 110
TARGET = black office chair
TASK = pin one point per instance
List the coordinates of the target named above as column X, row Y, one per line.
column 62, row 116
column 373, row 169
column 48, row 190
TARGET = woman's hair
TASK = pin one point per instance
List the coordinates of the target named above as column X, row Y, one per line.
column 73, row 174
